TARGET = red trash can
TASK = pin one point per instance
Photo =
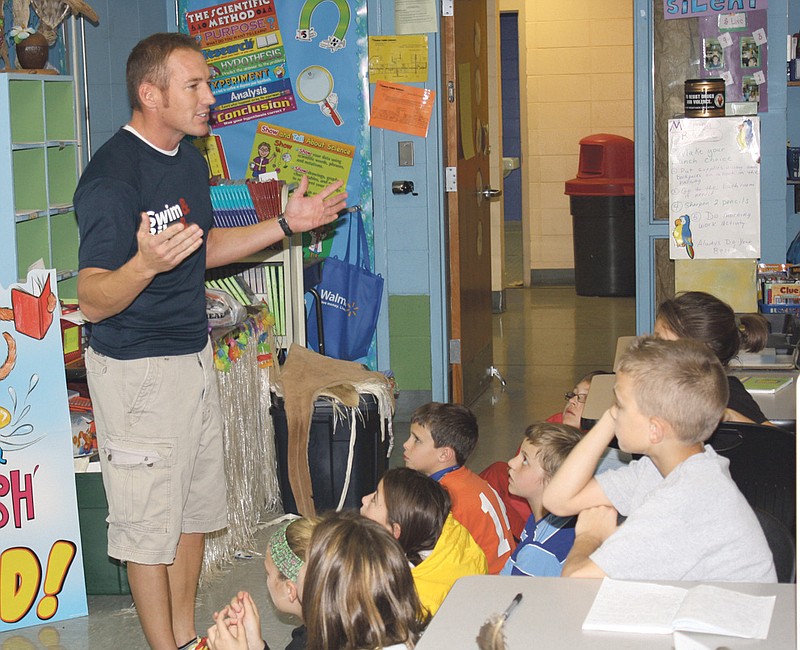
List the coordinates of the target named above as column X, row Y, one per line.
column 603, row 217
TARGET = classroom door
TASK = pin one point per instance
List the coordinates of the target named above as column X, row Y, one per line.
column 467, row 151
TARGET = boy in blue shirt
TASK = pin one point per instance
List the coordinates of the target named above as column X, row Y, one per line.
column 546, row 539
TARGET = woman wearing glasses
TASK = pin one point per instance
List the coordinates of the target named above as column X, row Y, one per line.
column 575, row 401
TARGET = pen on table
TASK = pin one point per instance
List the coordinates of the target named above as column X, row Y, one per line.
column 512, row 606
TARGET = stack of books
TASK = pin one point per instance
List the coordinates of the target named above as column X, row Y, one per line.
column 240, row 203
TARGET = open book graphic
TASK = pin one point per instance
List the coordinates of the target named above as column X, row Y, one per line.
column 622, row 606
column 33, row 311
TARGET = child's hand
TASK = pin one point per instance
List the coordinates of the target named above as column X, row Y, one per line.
column 249, row 620
column 599, row 522
column 238, row 625
column 603, row 431
column 225, row 633
column 235, row 608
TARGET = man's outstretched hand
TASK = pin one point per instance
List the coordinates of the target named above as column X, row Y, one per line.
column 305, row 213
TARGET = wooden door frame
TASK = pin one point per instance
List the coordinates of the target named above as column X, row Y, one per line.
column 450, row 149
column 469, row 358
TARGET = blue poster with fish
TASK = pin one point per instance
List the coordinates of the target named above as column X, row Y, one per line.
column 41, row 567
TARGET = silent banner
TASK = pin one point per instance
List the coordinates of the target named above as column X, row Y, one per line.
column 698, row 8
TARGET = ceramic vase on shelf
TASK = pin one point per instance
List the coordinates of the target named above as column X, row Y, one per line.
column 32, row 52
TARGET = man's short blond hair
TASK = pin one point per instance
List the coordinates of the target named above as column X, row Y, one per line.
column 147, row 62
column 681, row 382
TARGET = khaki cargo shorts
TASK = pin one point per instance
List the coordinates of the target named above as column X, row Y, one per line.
column 159, row 434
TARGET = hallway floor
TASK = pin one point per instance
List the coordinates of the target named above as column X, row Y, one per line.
column 546, row 339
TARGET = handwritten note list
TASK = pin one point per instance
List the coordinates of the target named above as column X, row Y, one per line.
column 714, row 188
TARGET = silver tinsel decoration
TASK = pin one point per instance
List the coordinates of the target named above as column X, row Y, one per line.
column 250, row 460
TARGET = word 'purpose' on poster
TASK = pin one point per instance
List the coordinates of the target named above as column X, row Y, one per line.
column 714, row 188
column 402, row 108
column 398, row 58
column 290, row 154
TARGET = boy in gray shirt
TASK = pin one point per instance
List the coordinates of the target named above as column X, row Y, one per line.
column 686, row 519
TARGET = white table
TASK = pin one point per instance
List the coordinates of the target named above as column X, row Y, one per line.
column 779, row 407
column 553, row 609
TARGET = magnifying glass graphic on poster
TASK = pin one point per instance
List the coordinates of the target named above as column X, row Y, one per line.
column 315, row 86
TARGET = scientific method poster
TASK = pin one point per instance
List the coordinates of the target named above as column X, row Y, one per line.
column 299, row 65
column 41, row 569
column 714, row 188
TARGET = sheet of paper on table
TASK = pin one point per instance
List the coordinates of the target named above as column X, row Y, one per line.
column 622, row 606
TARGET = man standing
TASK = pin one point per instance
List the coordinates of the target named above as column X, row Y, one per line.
column 144, row 213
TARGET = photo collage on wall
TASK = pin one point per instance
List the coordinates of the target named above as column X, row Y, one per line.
column 734, row 48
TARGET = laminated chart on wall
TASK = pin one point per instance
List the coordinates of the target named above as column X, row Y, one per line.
column 41, row 567
column 245, row 54
column 715, row 188
column 402, row 59
column 299, row 65
column 301, row 68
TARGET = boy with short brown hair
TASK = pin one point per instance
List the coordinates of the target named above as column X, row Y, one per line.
column 442, row 438
column 686, row 519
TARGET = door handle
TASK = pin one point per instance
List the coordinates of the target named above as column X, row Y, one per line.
column 492, row 195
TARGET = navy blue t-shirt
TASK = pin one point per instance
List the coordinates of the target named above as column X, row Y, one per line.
column 125, row 178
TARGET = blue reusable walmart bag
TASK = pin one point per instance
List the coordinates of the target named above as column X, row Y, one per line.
column 350, row 299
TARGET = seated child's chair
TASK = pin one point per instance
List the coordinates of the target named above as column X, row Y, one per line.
column 762, row 465
column 781, row 543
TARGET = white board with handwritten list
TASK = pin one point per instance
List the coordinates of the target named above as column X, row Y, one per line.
column 714, row 188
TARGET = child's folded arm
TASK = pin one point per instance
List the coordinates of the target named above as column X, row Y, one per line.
column 578, row 563
column 594, row 526
column 573, row 487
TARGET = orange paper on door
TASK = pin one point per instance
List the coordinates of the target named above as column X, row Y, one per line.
column 402, row 108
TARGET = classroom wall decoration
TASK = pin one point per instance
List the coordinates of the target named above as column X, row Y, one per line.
column 734, row 48
column 698, row 8
column 298, row 67
column 41, row 569
column 292, row 91
column 714, row 188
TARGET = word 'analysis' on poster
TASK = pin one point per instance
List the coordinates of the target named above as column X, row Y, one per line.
column 288, row 154
column 714, row 188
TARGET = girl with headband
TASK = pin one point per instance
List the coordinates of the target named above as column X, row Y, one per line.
column 238, row 624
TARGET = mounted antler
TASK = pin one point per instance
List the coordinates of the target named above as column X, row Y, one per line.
column 52, row 12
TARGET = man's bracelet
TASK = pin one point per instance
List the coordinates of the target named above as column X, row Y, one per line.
column 285, row 226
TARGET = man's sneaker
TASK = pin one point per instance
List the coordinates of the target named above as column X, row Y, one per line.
column 198, row 643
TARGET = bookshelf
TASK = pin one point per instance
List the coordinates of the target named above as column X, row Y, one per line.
column 41, row 154
column 290, row 255
column 241, row 203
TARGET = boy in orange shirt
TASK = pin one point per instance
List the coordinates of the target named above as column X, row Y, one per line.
column 442, row 438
